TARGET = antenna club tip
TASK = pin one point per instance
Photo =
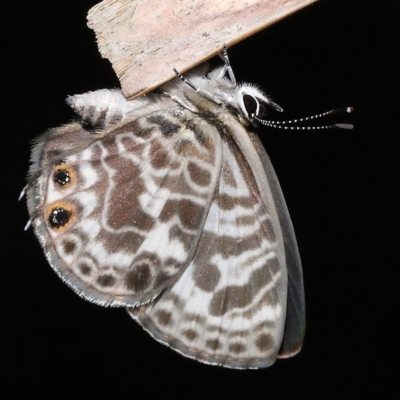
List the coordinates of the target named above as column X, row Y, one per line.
column 350, row 109
column 344, row 126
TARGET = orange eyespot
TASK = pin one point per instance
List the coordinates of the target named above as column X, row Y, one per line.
column 60, row 215
column 63, row 175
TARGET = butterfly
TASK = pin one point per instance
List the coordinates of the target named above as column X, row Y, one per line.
column 168, row 205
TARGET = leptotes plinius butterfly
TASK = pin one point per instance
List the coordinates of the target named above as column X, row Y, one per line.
column 168, row 205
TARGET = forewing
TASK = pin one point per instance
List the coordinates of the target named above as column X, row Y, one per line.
column 228, row 307
column 121, row 214
column 295, row 313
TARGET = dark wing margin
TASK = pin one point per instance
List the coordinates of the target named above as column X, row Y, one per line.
column 295, row 313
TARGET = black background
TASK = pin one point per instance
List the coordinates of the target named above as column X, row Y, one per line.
column 341, row 188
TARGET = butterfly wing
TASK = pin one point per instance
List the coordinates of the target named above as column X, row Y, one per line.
column 295, row 310
column 119, row 212
column 229, row 306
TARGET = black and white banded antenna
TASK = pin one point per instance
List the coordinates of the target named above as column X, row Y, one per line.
column 288, row 125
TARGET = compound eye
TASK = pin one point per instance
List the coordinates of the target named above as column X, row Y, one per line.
column 250, row 104
column 262, row 110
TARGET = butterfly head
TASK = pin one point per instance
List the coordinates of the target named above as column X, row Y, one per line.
column 246, row 98
column 252, row 102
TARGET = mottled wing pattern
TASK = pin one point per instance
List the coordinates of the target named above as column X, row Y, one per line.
column 228, row 307
column 119, row 212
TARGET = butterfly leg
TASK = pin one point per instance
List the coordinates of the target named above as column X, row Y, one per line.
column 181, row 102
column 200, row 91
column 227, row 67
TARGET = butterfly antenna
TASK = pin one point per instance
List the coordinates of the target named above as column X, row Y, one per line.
column 288, row 124
column 227, row 67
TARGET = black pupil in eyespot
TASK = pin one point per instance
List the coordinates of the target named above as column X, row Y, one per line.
column 59, row 217
column 250, row 104
column 61, row 177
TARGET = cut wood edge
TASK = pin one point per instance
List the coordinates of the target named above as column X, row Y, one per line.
column 146, row 39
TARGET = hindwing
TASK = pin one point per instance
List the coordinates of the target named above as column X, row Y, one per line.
column 122, row 215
